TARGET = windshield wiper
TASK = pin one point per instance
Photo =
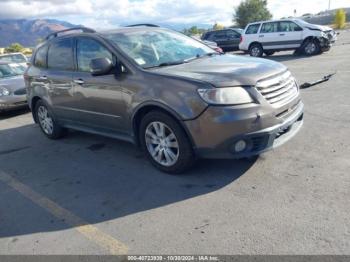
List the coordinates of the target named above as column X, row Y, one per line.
column 168, row 64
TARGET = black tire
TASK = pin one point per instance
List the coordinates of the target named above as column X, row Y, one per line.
column 185, row 155
column 256, row 50
column 57, row 130
column 311, row 47
column 269, row 52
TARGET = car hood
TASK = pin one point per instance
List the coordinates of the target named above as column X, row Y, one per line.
column 319, row 27
column 13, row 83
column 225, row 70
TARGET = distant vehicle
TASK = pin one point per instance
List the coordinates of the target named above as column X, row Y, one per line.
column 211, row 44
column 18, row 58
column 227, row 39
column 12, row 87
column 286, row 34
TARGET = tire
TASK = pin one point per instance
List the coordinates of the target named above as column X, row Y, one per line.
column 311, row 47
column 167, row 147
column 269, row 52
column 48, row 124
column 256, row 50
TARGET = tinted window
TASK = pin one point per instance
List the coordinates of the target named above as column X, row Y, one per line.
column 269, row 28
column 232, row 34
column 40, row 57
column 252, row 29
column 220, row 35
column 60, row 55
column 88, row 49
column 287, row 26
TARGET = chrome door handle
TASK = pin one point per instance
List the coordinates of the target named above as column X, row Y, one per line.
column 282, row 34
column 261, row 35
column 79, row 81
column 43, row 78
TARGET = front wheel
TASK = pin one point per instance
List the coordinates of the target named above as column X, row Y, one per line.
column 47, row 122
column 165, row 143
column 312, row 47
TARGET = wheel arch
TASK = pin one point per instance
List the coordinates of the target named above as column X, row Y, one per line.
column 33, row 103
column 255, row 43
column 147, row 107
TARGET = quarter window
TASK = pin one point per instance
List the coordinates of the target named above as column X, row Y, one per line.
column 252, row 29
column 269, row 28
column 60, row 55
column 40, row 57
column 88, row 49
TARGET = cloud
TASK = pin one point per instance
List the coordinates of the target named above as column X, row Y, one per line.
column 111, row 13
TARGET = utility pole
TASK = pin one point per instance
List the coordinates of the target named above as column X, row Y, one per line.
column 329, row 4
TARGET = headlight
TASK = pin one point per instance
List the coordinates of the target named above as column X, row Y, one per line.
column 226, row 96
column 4, row 91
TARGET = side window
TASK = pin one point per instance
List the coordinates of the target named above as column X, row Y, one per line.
column 40, row 57
column 220, row 35
column 88, row 49
column 287, row 26
column 232, row 34
column 269, row 27
column 252, row 29
column 60, row 55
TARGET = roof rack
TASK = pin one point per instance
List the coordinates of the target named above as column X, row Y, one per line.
column 149, row 25
column 82, row 29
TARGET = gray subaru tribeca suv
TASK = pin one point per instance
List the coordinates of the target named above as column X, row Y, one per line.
column 170, row 94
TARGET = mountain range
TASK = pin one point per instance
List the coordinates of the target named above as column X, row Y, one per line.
column 28, row 32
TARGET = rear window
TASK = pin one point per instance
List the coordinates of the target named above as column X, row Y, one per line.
column 252, row 29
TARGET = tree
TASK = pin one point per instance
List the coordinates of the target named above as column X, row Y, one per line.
column 340, row 19
column 218, row 26
column 14, row 48
column 250, row 11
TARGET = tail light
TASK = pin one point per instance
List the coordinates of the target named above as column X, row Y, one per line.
column 241, row 39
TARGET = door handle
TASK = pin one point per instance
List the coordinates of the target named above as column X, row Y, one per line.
column 282, row 34
column 261, row 35
column 79, row 81
column 43, row 78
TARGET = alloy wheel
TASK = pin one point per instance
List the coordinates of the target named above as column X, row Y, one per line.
column 162, row 143
column 45, row 120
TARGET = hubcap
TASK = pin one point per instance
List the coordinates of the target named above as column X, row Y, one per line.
column 255, row 51
column 45, row 120
column 162, row 143
column 310, row 48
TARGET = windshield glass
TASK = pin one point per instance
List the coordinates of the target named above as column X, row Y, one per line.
column 152, row 48
column 9, row 70
column 16, row 58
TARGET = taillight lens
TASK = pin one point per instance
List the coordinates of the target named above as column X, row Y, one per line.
column 241, row 39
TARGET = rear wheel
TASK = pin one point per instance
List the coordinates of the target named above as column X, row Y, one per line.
column 165, row 143
column 47, row 122
column 256, row 50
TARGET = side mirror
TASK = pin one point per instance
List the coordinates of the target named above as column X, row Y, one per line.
column 100, row 66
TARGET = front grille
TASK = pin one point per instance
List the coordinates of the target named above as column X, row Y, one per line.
column 278, row 90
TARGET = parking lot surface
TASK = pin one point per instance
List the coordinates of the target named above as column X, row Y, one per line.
column 87, row 194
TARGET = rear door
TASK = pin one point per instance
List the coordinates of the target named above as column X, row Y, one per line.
column 290, row 34
column 60, row 67
column 233, row 38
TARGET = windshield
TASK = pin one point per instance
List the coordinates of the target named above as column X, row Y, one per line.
column 9, row 70
column 152, row 48
column 16, row 58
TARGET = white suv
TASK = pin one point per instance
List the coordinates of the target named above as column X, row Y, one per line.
column 292, row 34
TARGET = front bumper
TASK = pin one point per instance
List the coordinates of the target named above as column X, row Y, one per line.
column 259, row 133
column 13, row 102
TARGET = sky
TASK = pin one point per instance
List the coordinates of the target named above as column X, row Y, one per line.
column 111, row 13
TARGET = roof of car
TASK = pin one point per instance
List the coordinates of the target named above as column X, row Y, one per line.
column 276, row 20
